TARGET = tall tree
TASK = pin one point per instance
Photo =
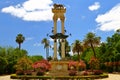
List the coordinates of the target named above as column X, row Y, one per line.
column 46, row 46
column 77, row 47
column 20, row 39
column 67, row 48
column 91, row 40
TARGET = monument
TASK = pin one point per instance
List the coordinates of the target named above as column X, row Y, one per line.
column 59, row 10
column 59, row 67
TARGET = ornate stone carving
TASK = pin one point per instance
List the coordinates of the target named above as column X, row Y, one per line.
column 58, row 6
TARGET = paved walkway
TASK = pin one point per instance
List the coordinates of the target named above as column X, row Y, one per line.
column 111, row 77
column 5, row 77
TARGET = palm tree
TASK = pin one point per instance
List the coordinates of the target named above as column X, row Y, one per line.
column 67, row 48
column 91, row 41
column 46, row 46
column 77, row 47
column 20, row 39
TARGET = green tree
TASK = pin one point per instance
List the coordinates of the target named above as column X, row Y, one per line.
column 3, row 65
column 67, row 48
column 24, row 63
column 91, row 40
column 77, row 47
column 20, row 39
column 2, row 52
column 35, row 58
column 46, row 46
column 13, row 54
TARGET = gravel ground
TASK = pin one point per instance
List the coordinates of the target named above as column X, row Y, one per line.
column 111, row 77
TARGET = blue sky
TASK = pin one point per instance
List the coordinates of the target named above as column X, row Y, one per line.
column 33, row 19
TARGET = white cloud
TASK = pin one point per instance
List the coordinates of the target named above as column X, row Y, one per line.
column 37, row 44
column 29, row 38
column 51, row 40
column 110, row 20
column 94, row 7
column 31, row 10
column 71, row 53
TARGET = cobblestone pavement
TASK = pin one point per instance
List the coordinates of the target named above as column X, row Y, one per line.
column 111, row 77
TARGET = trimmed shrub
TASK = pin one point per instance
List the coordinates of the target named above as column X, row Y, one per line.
column 40, row 72
column 72, row 72
column 72, row 65
column 41, row 65
column 20, row 72
column 81, row 65
column 85, row 73
column 97, row 72
column 28, row 72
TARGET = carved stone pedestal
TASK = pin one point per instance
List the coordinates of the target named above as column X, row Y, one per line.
column 59, row 68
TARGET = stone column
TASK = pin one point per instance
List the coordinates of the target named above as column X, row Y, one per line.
column 62, row 24
column 55, row 24
column 55, row 41
column 63, row 41
column 63, row 48
column 55, row 50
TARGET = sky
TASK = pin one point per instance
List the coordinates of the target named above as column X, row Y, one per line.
column 33, row 19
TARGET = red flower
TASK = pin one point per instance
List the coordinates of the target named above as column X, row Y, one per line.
column 81, row 64
column 72, row 64
column 43, row 65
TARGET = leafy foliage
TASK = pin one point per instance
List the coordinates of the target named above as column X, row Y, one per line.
column 91, row 40
column 41, row 65
column 77, row 47
column 94, row 63
column 35, row 58
column 23, row 64
column 11, row 55
column 3, row 65
column 46, row 46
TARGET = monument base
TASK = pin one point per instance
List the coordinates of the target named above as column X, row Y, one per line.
column 59, row 68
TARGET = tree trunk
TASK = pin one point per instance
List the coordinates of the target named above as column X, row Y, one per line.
column 19, row 46
column 78, row 56
column 46, row 54
column 93, row 49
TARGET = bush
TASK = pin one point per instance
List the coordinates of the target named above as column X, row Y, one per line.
column 41, row 65
column 72, row 72
column 94, row 63
column 97, row 72
column 85, row 73
column 28, row 72
column 72, row 65
column 81, row 65
column 20, row 72
column 40, row 73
